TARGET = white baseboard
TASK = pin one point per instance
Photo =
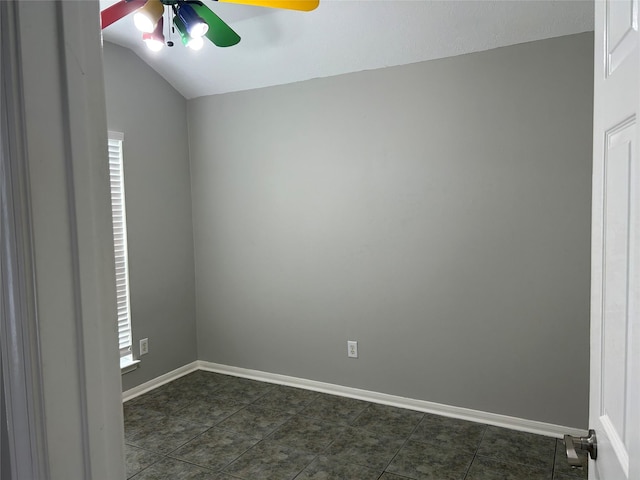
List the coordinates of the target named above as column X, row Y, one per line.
column 514, row 423
column 161, row 380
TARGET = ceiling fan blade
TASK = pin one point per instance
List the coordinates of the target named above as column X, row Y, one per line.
column 302, row 5
column 221, row 34
column 118, row 10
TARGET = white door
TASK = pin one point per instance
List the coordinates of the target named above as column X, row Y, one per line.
column 615, row 291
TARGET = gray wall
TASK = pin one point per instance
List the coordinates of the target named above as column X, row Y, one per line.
column 152, row 116
column 437, row 213
column 5, row 453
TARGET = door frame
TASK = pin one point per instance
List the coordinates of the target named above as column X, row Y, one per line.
column 23, row 403
column 59, row 339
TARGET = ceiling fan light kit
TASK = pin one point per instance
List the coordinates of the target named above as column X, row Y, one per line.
column 192, row 18
column 195, row 43
column 196, row 26
column 155, row 39
column 148, row 16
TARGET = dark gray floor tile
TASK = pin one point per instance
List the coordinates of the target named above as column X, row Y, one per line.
column 201, row 378
column 363, row 447
column 166, row 435
column 386, row 419
column 307, row 433
column 137, row 418
column 215, row 448
column 561, row 465
column 243, row 390
column 391, row 476
column 288, row 399
column 335, row 409
column 196, row 385
column 518, row 447
column 182, row 395
column 324, row 469
column 163, row 400
column 449, row 433
column 270, row 461
column 420, row 461
column 487, row 469
column 170, row 469
column 564, row 476
column 134, row 411
column 137, row 459
column 209, row 412
column 256, row 421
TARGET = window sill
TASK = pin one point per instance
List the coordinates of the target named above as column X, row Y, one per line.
column 128, row 364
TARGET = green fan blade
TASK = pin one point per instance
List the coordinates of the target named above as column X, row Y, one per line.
column 221, row 34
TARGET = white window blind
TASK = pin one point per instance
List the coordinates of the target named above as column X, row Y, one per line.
column 119, row 217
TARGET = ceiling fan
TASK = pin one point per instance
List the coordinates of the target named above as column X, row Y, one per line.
column 192, row 18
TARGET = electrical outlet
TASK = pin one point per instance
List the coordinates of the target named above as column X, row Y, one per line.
column 352, row 349
column 144, row 346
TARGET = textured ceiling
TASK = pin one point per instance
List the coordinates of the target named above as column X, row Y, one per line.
column 343, row 36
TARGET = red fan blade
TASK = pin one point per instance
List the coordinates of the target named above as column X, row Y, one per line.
column 118, row 10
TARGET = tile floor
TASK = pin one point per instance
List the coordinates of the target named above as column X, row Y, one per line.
column 207, row 426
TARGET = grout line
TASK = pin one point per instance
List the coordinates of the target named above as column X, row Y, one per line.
column 555, row 454
column 183, row 444
column 360, row 414
column 162, row 457
column 192, row 463
column 342, row 426
column 236, row 458
column 305, row 467
column 475, row 454
column 404, row 443
column 267, row 435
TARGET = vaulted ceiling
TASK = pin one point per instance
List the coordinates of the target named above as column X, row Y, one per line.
column 343, row 36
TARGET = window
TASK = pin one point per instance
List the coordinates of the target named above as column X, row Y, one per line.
column 119, row 217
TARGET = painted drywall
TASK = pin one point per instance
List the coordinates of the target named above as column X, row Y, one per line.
column 152, row 116
column 5, row 454
column 438, row 213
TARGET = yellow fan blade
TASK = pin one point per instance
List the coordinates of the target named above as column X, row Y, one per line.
column 303, row 5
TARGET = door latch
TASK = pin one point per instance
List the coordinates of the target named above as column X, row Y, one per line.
column 588, row 444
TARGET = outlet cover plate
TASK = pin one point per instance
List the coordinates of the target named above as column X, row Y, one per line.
column 144, row 346
column 352, row 349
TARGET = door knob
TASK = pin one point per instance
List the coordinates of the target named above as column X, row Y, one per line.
column 581, row 443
